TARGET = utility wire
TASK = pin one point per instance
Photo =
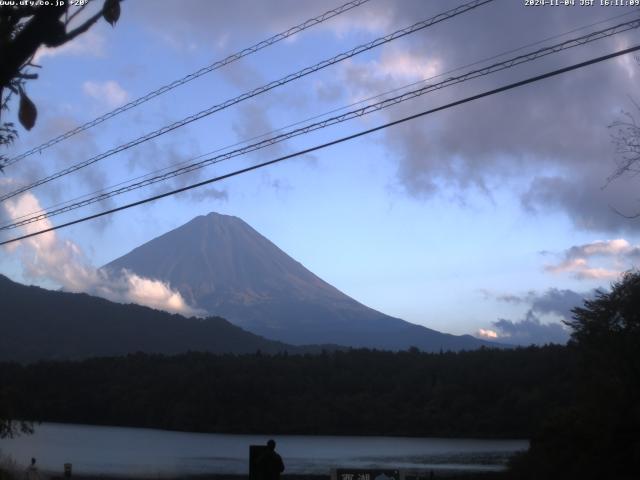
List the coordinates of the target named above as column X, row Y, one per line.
column 309, row 119
column 334, row 142
column 260, row 90
column 509, row 63
column 192, row 76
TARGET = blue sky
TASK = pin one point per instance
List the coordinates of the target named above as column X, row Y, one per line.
column 453, row 221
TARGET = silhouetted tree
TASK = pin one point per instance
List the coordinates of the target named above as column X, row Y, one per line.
column 24, row 29
column 626, row 138
column 10, row 428
column 599, row 436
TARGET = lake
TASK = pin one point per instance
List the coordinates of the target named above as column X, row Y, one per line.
column 141, row 452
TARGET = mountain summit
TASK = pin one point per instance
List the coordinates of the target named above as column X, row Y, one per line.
column 222, row 265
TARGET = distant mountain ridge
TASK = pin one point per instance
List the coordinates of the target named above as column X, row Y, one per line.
column 220, row 264
column 38, row 324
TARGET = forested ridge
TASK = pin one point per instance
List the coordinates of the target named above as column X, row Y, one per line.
column 485, row 393
column 39, row 324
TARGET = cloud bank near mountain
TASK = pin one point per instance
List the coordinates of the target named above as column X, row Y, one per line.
column 61, row 261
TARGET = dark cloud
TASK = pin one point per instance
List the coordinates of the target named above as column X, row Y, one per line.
column 582, row 196
column 550, row 139
column 71, row 151
column 242, row 75
column 160, row 156
column 552, row 301
column 328, row 91
column 253, row 121
column 164, row 157
column 559, row 302
column 531, row 331
column 509, row 298
column 209, row 193
column 280, row 185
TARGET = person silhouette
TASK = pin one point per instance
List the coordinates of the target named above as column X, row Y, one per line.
column 270, row 463
column 32, row 471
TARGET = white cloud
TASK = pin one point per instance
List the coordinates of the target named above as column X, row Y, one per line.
column 89, row 44
column 600, row 247
column 581, row 270
column 153, row 293
column 47, row 256
column 127, row 287
column 394, row 69
column 613, row 257
column 488, row 334
column 407, row 66
column 109, row 92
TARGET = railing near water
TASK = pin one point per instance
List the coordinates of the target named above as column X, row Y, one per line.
column 380, row 474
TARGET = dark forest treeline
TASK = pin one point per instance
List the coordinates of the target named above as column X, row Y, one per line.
column 487, row 393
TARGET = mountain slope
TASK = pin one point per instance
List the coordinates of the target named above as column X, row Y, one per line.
column 37, row 324
column 222, row 265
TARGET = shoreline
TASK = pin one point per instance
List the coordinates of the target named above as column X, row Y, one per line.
column 437, row 473
column 270, row 434
column 147, row 454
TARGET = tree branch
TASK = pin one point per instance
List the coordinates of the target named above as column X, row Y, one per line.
column 84, row 27
column 73, row 15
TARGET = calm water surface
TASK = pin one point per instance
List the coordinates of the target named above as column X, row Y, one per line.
column 156, row 453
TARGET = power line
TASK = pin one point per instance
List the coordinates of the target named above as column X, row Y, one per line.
column 386, row 103
column 324, row 114
column 333, row 142
column 192, row 76
column 260, row 90
column 338, row 119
